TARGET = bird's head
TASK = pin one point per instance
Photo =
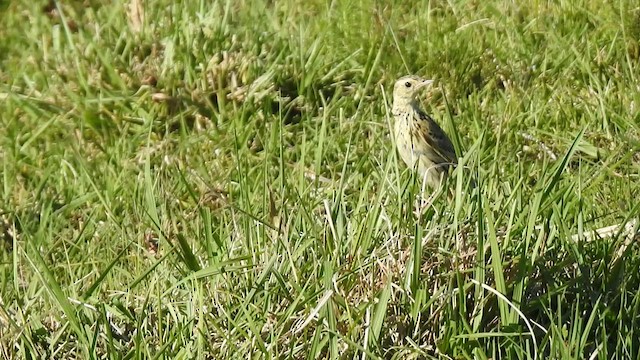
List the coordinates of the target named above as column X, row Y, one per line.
column 406, row 88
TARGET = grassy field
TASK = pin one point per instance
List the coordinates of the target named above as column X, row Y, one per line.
column 217, row 180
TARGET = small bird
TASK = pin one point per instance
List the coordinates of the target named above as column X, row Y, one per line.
column 421, row 142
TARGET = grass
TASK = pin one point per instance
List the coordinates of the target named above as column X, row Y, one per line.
column 217, row 180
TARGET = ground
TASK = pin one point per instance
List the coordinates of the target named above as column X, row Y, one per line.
column 218, row 180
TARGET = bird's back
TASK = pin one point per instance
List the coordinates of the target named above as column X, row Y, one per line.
column 437, row 145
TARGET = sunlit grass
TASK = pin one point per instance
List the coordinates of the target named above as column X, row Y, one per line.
column 218, row 180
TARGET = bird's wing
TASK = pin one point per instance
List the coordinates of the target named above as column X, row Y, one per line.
column 436, row 138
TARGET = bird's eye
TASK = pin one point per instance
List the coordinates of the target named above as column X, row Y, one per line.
column 407, row 84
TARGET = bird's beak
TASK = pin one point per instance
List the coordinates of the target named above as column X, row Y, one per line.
column 424, row 83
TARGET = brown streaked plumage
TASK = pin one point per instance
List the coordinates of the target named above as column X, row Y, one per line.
column 421, row 142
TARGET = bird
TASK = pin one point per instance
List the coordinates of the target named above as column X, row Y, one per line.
column 420, row 141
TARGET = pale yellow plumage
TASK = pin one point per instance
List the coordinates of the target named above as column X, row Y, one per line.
column 421, row 142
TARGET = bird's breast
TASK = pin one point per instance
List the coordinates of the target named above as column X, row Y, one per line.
column 404, row 141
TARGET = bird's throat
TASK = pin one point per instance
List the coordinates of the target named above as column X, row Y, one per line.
column 403, row 106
